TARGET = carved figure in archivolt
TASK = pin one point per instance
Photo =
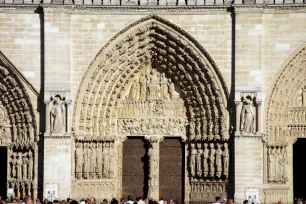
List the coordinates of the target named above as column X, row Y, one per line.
column 78, row 160
column 218, row 161
column 225, row 156
column 212, row 159
column 58, row 116
column 30, row 166
column 205, row 159
column 199, row 159
column 248, row 116
column 193, row 159
column 25, row 161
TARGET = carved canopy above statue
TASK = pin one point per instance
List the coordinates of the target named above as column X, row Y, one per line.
column 17, row 123
column 286, row 106
column 174, row 60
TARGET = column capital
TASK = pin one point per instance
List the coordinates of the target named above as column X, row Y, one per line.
column 154, row 138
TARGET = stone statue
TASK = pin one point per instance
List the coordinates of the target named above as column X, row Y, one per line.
column 143, row 87
column 134, row 90
column 18, row 166
column 78, row 160
column 205, row 158
column 278, row 165
column 13, row 168
column 58, row 115
column 25, row 161
column 192, row 129
column 85, row 161
column 248, row 116
column 99, row 160
column 285, row 165
column 112, row 160
column 199, row 159
column 30, row 166
column 153, row 87
column 171, row 90
column 271, row 165
column 91, row 161
column 193, row 160
column 225, row 156
column 105, row 160
column 164, row 83
column 212, row 159
column 218, row 161
column 153, row 158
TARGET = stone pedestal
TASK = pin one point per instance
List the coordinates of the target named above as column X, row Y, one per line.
column 248, row 164
column 57, row 164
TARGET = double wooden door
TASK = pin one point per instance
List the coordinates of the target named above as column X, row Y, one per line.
column 136, row 168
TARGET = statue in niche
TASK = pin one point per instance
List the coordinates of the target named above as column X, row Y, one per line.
column 91, row 162
column 99, row 160
column 193, row 159
column 105, row 160
column 153, row 87
column 248, row 116
column 218, row 161
column 205, row 158
column 78, row 160
column 85, row 159
column 112, row 160
column 30, row 166
column 212, row 160
column 284, row 164
column 278, row 164
column 271, row 165
column 199, row 159
column 18, row 166
column 58, row 116
column 225, row 156
column 164, row 84
column 13, row 168
column 25, row 161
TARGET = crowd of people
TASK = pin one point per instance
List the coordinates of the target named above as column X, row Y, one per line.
column 130, row 200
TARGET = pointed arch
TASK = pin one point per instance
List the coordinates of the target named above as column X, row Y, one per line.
column 151, row 42
column 17, row 106
column 281, row 98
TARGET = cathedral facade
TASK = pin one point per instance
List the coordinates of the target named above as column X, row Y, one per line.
column 184, row 100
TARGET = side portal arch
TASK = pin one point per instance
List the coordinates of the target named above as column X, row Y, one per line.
column 153, row 80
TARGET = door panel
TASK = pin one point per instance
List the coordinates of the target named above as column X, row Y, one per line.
column 171, row 174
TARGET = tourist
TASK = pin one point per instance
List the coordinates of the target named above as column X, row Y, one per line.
column 37, row 201
column 114, row 201
column 69, row 200
column 121, row 200
column 92, row 200
column 130, row 200
column 245, row 202
column 230, row 201
column 279, row 202
column 161, row 201
column 104, row 201
column 139, row 200
column 27, row 200
column 218, row 200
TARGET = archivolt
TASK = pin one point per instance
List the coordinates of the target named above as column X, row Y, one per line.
column 154, row 42
column 280, row 98
column 19, row 113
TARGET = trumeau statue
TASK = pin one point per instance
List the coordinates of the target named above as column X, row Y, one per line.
column 248, row 116
column 58, row 116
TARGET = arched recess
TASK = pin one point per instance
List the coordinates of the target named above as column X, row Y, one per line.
column 18, row 126
column 156, row 45
column 285, row 101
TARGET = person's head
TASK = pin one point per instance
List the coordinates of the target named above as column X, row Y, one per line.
column 161, row 198
column 218, row 199
column 279, row 202
column 92, row 200
column 74, row 202
column 245, row 202
column 27, row 200
column 46, row 201
column 14, row 200
column 104, row 201
column 56, row 202
column 130, row 197
column 69, row 200
column 37, row 201
column 230, row 201
column 121, row 200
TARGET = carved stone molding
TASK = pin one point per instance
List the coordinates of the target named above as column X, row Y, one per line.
column 277, row 166
column 284, row 109
column 207, row 191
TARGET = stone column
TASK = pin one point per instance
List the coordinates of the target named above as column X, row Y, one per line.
column 153, row 153
column 258, row 107
column 238, row 111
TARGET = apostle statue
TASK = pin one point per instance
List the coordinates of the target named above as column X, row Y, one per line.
column 212, row 160
column 248, row 116
column 218, row 161
column 199, row 159
column 205, row 158
column 25, row 161
column 78, row 160
column 193, row 159
column 30, row 166
column 225, row 156
column 58, row 116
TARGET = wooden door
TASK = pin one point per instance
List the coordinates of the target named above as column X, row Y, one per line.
column 171, row 170
column 135, row 168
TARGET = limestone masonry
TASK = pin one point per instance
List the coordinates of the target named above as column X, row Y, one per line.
column 82, row 78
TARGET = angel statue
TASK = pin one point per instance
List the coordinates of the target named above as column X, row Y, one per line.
column 248, row 116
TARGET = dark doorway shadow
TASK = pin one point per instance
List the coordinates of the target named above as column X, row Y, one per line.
column 299, row 176
column 3, row 171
